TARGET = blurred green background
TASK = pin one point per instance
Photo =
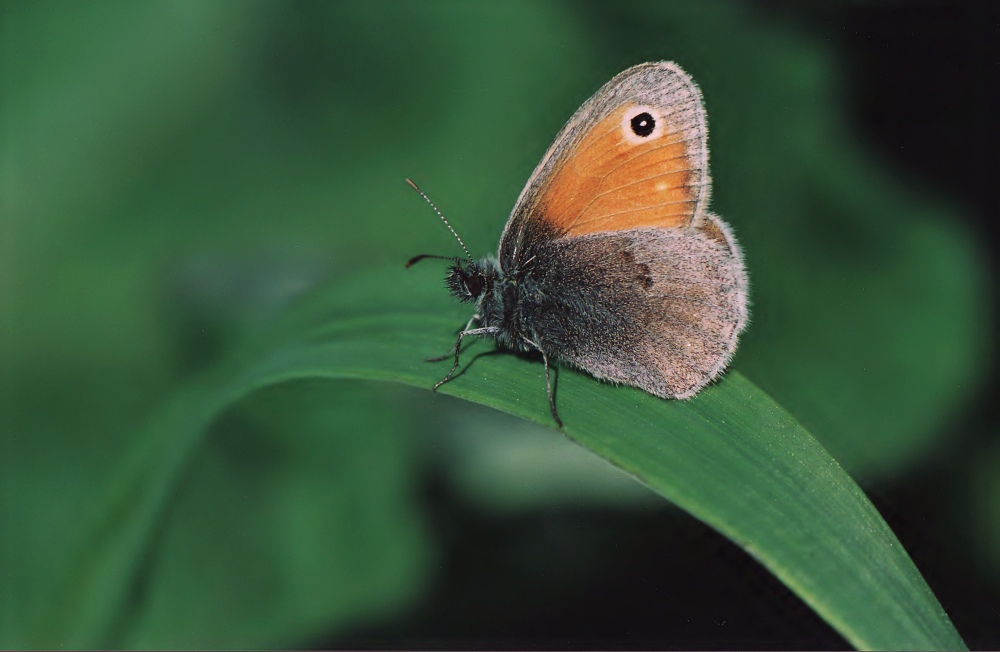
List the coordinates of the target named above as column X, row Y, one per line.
column 173, row 175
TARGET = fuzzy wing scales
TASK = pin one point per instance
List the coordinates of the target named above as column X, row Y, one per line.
column 659, row 309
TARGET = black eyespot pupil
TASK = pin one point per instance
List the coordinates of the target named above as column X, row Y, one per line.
column 643, row 124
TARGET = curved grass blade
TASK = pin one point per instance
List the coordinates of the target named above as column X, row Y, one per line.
column 731, row 457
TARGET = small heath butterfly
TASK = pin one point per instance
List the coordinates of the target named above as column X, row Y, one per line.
column 610, row 261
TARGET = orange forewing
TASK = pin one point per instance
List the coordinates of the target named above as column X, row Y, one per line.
column 609, row 183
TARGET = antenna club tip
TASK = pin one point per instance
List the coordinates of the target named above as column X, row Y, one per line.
column 411, row 184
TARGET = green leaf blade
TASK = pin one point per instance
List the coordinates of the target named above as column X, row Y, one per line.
column 732, row 457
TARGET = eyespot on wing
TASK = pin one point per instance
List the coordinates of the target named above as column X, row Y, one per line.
column 634, row 155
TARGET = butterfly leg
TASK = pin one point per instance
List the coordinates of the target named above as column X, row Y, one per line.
column 451, row 352
column 548, row 382
column 490, row 330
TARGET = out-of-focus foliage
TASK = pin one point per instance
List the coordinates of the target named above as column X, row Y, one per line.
column 173, row 174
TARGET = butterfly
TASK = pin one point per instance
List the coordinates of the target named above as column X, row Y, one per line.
column 610, row 261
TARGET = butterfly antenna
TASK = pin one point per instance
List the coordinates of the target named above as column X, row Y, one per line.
column 428, row 200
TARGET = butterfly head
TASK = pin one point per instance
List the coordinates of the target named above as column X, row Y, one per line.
column 469, row 281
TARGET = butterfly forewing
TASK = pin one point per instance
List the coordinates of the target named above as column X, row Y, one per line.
column 633, row 156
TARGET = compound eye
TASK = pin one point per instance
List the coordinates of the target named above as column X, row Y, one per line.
column 474, row 284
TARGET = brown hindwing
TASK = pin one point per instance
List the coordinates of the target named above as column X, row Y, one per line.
column 659, row 309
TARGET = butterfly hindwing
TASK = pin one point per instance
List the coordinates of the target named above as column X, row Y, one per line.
column 657, row 308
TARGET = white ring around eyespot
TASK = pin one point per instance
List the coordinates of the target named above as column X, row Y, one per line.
column 633, row 111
